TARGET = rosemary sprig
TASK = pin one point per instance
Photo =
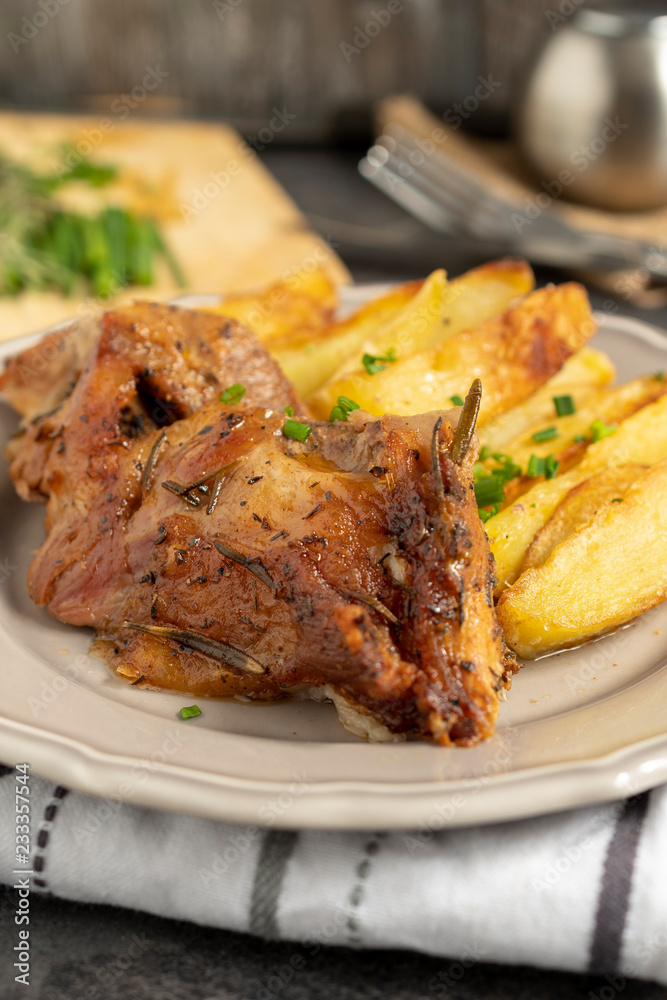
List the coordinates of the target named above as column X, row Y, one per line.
column 255, row 566
column 230, row 655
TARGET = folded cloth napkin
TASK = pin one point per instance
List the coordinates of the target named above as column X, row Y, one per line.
column 582, row 890
column 500, row 167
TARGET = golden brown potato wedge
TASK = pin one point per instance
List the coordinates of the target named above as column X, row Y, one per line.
column 578, row 507
column 441, row 309
column 612, row 569
column 411, row 318
column 483, row 292
column 513, row 354
column 581, row 377
column 641, row 440
column 308, row 363
column 572, row 434
column 302, row 304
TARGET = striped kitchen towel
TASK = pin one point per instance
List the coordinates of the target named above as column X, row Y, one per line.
column 583, row 891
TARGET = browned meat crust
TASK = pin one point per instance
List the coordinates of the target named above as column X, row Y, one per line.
column 40, row 377
column 218, row 556
column 148, row 366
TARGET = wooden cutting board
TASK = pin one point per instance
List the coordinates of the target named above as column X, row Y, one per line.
column 228, row 221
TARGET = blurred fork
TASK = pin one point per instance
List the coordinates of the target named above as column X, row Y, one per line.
column 464, row 201
column 443, row 196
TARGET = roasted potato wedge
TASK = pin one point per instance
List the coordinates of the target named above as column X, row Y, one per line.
column 442, row 308
column 483, row 292
column 581, row 377
column 641, row 440
column 513, row 354
column 612, row 569
column 302, row 304
column 578, row 507
column 572, row 434
column 308, row 363
column 408, row 319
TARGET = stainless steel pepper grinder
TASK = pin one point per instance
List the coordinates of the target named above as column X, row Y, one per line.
column 592, row 116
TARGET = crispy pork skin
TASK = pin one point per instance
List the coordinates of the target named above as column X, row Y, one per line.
column 214, row 554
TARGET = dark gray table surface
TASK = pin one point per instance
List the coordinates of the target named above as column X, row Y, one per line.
column 81, row 951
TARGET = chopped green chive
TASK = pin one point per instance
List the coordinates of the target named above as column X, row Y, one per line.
column 508, row 468
column 489, row 491
column 293, row 429
column 564, row 405
column 547, row 467
column 548, row 434
column 457, row 400
column 289, row 410
column 551, row 467
column 617, row 500
column 580, row 439
column 490, row 486
column 233, row 393
column 536, row 466
column 600, row 430
column 659, row 376
column 485, row 515
column 371, row 362
column 343, row 407
column 484, row 453
column 190, row 712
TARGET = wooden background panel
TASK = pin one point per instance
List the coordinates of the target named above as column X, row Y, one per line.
column 237, row 59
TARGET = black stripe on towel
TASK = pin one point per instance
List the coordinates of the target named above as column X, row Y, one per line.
column 371, row 847
column 276, row 851
column 615, row 887
column 43, row 837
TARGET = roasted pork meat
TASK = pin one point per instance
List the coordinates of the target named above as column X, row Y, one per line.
column 40, row 377
column 216, row 554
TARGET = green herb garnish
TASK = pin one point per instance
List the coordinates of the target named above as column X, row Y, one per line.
column 190, row 712
column 551, row 468
column 488, row 491
column 617, row 500
column 233, row 393
column 547, row 467
column 342, row 409
column 600, row 430
column 580, row 439
column 564, row 405
column 490, row 484
column 457, row 400
column 508, row 468
column 659, row 376
column 289, row 410
column 293, row 429
column 46, row 246
column 371, row 362
column 548, row 434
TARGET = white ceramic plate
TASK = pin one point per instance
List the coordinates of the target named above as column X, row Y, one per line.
column 585, row 726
